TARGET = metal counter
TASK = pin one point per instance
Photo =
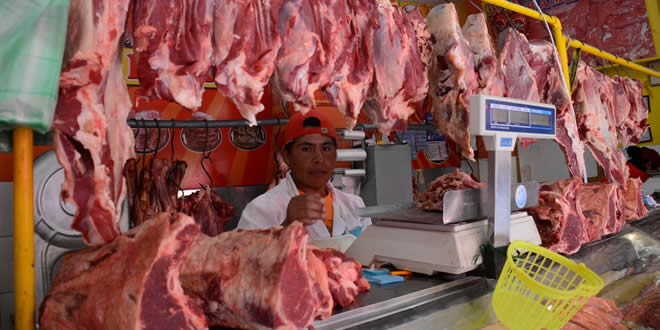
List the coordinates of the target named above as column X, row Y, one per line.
column 397, row 304
column 423, row 302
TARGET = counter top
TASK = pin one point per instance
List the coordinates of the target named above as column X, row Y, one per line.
column 424, row 302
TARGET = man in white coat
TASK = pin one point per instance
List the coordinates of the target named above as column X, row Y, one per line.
column 306, row 194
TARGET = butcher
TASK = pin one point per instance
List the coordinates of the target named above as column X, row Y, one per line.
column 309, row 148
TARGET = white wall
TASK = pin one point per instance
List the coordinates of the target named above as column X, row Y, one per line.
column 545, row 161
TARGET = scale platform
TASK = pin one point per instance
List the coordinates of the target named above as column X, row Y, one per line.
column 429, row 248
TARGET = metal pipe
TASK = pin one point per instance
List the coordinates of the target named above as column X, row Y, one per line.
column 24, row 298
column 523, row 10
column 151, row 123
column 561, row 40
column 610, row 57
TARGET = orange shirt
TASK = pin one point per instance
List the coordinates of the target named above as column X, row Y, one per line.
column 329, row 212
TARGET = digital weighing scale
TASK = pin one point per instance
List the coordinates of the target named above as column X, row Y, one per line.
column 450, row 242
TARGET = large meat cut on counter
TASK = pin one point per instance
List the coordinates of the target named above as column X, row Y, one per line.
column 432, row 198
column 173, row 48
column 268, row 278
column 571, row 213
column 452, row 77
column 155, row 189
column 91, row 137
column 165, row 274
column 131, row 283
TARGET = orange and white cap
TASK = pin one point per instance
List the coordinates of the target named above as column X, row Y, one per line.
column 314, row 121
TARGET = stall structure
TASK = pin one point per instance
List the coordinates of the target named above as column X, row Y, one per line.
column 415, row 294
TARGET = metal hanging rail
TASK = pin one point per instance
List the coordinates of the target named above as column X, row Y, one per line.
column 610, row 57
column 561, row 43
column 155, row 123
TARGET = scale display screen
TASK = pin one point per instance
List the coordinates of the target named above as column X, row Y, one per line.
column 521, row 118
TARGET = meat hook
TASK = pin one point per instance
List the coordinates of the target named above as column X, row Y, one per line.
column 205, row 154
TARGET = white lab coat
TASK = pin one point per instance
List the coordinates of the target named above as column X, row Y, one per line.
column 269, row 210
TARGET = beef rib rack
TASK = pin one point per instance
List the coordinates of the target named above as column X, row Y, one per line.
column 130, row 283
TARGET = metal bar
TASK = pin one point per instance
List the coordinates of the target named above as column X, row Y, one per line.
column 24, row 283
column 389, row 307
column 523, row 10
column 561, row 40
column 610, row 57
column 499, row 196
column 151, row 123
column 410, row 127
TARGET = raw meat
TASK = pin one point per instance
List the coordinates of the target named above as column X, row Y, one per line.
column 519, row 76
column 620, row 27
column 401, row 61
column 491, row 77
column 599, row 206
column 354, row 70
column 631, row 111
column 313, row 33
column 452, row 77
column 245, row 48
column 173, row 49
column 156, row 190
column 255, row 279
column 91, row 137
column 432, row 198
column 597, row 313
column 151, row 193
column 552, row 90
column 594, row 98
column 559, row 218
column 130, row 283
column 208, row 209
column 344, row 275
column 643, row 312
column 634, row 204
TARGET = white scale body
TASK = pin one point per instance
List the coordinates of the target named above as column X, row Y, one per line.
column 455, row 248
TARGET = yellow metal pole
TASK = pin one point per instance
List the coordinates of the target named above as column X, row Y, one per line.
column 523, row 10
column 560, row 41
column 23, row 229
column 612, row 58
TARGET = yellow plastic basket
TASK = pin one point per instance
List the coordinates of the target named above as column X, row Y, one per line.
column 539, row 288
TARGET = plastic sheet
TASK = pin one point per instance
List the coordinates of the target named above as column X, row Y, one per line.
column 33, row 34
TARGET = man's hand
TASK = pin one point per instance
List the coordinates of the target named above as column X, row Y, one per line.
column 307, row 208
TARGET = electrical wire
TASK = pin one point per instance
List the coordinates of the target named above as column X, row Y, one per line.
column 561, row 71
column 475, row 6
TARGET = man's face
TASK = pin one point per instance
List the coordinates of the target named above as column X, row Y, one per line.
column 311, row 159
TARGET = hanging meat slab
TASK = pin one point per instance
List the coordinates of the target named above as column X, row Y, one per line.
column 246, row 43
column 593, row 93
column 91, row 137
column 452, row 76
column 173, row 48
